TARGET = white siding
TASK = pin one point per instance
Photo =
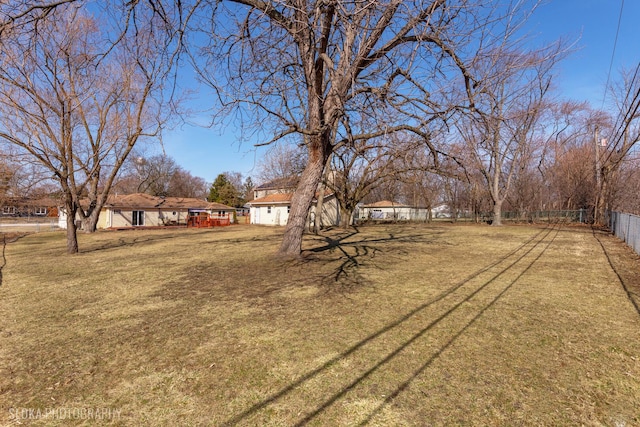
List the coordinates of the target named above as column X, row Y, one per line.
column 277, row 215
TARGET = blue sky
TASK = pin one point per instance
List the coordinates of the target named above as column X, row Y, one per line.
column 592, row 24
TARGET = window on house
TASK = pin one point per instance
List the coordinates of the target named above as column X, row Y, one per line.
column 288, row 209
column 40, row 211
column 268, row 209
column 9, row 210
column 137, row 218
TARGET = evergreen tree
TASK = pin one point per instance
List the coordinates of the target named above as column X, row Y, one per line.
column 223, row 191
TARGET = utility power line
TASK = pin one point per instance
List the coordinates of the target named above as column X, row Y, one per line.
column 613, row 54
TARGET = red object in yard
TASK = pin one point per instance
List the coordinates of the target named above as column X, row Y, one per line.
column 205, row 220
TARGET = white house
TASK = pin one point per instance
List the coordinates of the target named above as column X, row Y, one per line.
column 272, row 205
column 143, row 210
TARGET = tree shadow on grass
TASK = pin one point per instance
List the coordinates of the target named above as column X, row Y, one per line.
column 342, row 259
column 128, row 238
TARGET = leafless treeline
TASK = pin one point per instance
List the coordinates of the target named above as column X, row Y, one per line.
column 428, row 99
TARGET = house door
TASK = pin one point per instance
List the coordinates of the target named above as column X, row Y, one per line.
column 137, row 218
column 256, row 218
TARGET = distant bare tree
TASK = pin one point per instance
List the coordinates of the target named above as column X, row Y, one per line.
column 155, row 174
column 383, row 168
column 235, row 178
column 247, row 189
column 159, row 175
column 567, row 161
column 422, row 188
column 282, row 161
column 625, row 195
column 510, row 107
column 184, row 184
column 359, row 169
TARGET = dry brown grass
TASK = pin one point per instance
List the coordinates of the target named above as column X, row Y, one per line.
column 393, row 326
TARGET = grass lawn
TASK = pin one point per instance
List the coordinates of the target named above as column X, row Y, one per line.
column 387, row 326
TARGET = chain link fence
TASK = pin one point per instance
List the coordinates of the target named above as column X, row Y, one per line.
column 627, row 228
column 32, row 224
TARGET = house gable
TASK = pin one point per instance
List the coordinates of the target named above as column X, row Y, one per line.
column 276, row 186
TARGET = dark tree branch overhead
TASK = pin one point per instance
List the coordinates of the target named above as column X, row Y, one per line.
column 325, row 69
column 17, row 14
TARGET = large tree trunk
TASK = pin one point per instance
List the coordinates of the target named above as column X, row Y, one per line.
column 345, row 217
column 497, row 213
column 317, row 224
column 72, row 236
column 89, row 224
column 301, row 202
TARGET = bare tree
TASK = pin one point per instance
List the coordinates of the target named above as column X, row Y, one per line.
column 315, row 68
column 154, row 174
column 384, row 168
column 282, row 161
column 625, row 194
column 21, row 15
column 184, row 184
column 247, row 189
column 158, row 175
column 567, row 162
column 622, row 140
column 509, row 109
column 357, row 170
column 76, row 94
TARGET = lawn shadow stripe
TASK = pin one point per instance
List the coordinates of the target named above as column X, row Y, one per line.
column 426, row 329
column 328, row 364
column 403, row 386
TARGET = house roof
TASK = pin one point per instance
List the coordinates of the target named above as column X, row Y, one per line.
column 284, row 198
column 214, row 206
column 280, row 198
column 386, row 204
column 145, row 201
column 280, row 183
column 46, row 201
